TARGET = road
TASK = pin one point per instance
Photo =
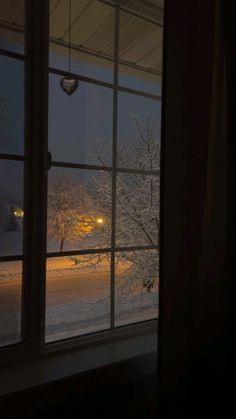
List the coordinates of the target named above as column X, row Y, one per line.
column 63, row 285
column 77, row 302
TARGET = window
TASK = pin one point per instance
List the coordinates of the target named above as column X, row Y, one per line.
column 95, row 232
column 12, row 168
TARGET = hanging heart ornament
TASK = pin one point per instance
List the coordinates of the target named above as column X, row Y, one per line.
column 69, row 85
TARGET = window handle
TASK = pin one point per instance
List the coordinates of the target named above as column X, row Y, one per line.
column 47, row 161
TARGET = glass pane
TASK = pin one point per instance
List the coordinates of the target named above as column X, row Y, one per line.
column 139, row 121
column 78, row 296
column 80, row 126
column 83, row 64
column 92, row 38
column 79, row 209
column 140, row 54
column 137, row 210
column 11, row 106
column 11, row 207
column 12, row 41
column 142, row 81
column 10, row 302
column 12, row 14
column 136, row 286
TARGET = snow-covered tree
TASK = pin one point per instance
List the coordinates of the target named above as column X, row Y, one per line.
column 70, row 213
column 140, row 272
column 73, row 209
column 137, row 203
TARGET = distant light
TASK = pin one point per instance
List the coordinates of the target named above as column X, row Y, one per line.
column 100, row 220
column 19, row 213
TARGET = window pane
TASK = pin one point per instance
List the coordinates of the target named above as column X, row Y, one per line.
column 140, row 54
column 92, row 38
column 80, row 126
column 137, row 210
column 79, row 209
column 81, row 63
column 139, row 80
column 11, row 207
column 78, row 296
column 12, row 14
column 138, row 132
column 10, row 302
column 136, row 286
column 11, row 106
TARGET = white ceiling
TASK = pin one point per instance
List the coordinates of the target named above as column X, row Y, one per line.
column 92, row 30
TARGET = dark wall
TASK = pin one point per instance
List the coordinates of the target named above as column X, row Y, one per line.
column 196, row 286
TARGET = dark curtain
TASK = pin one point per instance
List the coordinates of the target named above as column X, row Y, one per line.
column 197, row 278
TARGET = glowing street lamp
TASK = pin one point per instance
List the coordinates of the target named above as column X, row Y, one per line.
column 100, row 220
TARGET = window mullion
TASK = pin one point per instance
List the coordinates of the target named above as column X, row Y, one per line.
column 38, row 28
column 114, row 159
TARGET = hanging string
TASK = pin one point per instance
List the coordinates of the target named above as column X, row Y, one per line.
column 69, row 33
column 69, row 84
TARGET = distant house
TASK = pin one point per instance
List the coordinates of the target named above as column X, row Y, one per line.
column 11, row 217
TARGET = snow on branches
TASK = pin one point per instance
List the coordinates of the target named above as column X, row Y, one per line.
column 137, row 205
column 70, row 215
column 73, row 208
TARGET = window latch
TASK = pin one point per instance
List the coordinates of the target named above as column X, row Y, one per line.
column 47, row 161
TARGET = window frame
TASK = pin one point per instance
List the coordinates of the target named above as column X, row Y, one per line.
column 36, row 167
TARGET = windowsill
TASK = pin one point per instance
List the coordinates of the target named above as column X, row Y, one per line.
column 64, row 365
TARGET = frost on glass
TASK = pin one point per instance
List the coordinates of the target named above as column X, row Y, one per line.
column 10, row 302
column 78, row 215
column 77, row 295
column 136, row 286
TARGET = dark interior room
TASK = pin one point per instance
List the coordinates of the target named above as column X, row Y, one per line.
column 117, row 209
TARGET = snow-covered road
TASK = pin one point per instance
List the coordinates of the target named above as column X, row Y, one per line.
column 77, row 302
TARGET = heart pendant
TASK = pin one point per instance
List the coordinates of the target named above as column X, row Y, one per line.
column 69, row 85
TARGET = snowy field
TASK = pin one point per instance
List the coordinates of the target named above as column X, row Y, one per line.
column 77, row 300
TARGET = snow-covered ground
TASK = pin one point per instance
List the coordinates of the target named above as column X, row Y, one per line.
column 77, row 300
column 11, row 243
